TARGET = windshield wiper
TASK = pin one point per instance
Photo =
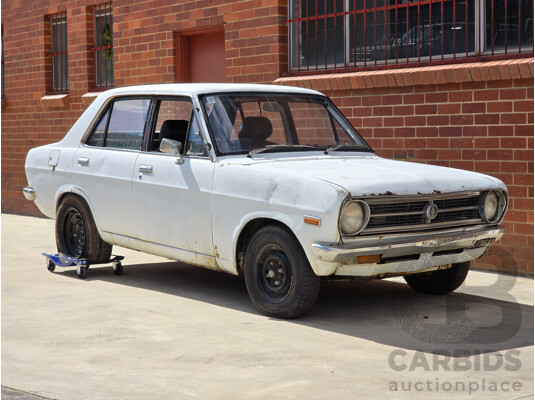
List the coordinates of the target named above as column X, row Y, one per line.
column 297, row 147
column 352, row 147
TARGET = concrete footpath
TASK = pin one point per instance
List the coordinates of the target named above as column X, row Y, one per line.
column 166, row 330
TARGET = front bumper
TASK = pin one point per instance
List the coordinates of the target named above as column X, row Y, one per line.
column 408, row 253
column 29, row 193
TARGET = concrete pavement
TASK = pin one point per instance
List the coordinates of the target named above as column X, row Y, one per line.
column 168, row 330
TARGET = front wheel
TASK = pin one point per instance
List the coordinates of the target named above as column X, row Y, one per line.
column 442, row 281
column 76, row 233
column 278, row 276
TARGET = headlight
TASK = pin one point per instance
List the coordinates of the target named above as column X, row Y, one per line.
column 354, row 217
column 492, row 206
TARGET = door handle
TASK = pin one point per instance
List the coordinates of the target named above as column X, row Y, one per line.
column 145, row 168
column 83, row 161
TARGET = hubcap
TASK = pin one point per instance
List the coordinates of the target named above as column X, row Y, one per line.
column 74, row 233
column 274, row 273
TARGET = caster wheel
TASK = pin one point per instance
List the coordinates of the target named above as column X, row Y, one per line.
column 50, row 265
column 117, row 268
column 82, row 272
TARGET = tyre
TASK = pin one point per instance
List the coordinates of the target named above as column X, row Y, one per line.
column 442, row 281
column 76, row 233
column 278, row 276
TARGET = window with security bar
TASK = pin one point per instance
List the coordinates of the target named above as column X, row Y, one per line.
column 59, row 56
column 353, row 34
column 103, row 47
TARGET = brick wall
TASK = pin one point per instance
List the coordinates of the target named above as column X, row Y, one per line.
column 473, row 116
column 476, row 116
column 144, row 52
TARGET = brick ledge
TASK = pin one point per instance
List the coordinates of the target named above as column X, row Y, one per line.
column 55, row 100
column 439, row 74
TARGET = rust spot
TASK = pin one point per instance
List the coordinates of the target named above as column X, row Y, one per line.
column 216, row 252
column 437, row 191
column 387, row 193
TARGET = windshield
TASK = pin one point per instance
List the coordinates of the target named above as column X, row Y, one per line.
column 243, row 122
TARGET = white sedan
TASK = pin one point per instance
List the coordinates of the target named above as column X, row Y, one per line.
column 272, row 181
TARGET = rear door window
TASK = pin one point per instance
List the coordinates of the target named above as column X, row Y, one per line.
column 122, row 125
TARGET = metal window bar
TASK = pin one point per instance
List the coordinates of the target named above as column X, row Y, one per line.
column 489, row 31
column 58, row 54
column 103, row 46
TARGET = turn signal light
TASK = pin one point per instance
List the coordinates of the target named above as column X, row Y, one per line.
column 373, row 259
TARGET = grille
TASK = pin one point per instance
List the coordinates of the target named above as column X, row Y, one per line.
column 410, row 214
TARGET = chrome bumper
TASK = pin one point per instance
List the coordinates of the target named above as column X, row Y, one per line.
column 400, row 245
column 29, row 193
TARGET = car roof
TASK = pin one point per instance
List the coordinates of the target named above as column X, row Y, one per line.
column 195, row 89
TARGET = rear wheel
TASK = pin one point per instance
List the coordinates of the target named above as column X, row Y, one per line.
column 442, row 281
column 76, row 233
column 278, row 276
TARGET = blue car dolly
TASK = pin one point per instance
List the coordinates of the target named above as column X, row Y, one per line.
column 82, row 265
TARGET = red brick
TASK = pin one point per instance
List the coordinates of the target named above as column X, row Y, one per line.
column 513, row 142
column 520, row 106
column 449, row 108
column 514, row 118
column 403, row 110
column 498, row 107
column 512, row 94
column 460, row 96
column 473, row 108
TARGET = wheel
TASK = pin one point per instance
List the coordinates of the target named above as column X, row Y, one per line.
column 76, row 233
column 50, row 265
column 117, row 268
column 442, row 281
column 82, row 273
column 278, row 276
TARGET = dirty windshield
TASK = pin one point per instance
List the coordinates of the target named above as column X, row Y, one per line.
column 253, row 123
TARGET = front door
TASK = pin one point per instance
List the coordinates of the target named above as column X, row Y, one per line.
column 172, row 201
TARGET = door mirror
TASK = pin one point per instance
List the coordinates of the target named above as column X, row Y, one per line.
column 170, row 146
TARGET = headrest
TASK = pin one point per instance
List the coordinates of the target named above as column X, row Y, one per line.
column 255, row 130
column 175, row 129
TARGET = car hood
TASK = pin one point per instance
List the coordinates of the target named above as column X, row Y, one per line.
column 367, row 175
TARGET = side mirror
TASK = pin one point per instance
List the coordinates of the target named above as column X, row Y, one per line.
column 171, row 146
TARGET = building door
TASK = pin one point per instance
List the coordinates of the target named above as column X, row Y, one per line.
column 201, row 56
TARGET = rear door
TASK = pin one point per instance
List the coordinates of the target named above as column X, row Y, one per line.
column 103, row 166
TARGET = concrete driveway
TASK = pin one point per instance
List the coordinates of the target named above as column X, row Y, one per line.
column 166, row 330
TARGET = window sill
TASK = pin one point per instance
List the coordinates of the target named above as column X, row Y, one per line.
column 88, row 98
column 521, row 68
column 55, row 100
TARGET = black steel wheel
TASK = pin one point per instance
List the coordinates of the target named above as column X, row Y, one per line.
column 76, row 233
column 278, row 276
column 442, row 281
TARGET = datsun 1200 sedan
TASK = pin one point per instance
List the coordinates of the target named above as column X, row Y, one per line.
column 272, row 181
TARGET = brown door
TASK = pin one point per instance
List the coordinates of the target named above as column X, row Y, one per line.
column 201, row 57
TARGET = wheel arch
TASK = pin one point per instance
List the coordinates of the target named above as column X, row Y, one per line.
column 248, row 231
column 65, row 192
